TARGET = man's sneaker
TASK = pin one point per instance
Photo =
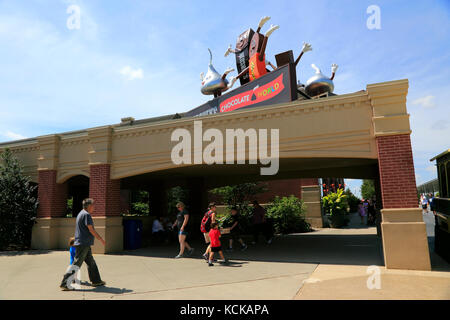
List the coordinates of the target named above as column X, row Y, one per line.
column 269, row 241
column 244, row 247
column 98, row 284
column 210, row 264
column 190, row 252
column 229, row 249
column 205, row 256
column 179, row 256
column 64, row 288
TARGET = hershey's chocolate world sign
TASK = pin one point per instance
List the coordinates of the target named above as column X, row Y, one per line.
column 275, row 87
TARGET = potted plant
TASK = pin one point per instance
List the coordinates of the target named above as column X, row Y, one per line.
column 336, row 205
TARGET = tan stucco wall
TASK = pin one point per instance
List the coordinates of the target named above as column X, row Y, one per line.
column 343, row 126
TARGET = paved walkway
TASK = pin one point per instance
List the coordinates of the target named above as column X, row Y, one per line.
column 325, row 264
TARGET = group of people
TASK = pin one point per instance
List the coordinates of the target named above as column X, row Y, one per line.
column 211, row 233
column 367, row 210
column 80, row 245
column 427, row 202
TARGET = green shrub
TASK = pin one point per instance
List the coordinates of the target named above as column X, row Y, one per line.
column 335, row 205
column 287, row 215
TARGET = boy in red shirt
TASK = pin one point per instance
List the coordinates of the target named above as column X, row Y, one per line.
column 214, row 235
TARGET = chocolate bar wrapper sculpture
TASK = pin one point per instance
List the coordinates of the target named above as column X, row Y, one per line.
column 242, row 50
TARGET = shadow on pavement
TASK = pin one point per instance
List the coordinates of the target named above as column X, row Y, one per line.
column 23, row 253
column 357, row 249
column 105, row 289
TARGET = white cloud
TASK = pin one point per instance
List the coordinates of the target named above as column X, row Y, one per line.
column 431, row 169
column 13, row 136
column 131, row 74
column 426, row 102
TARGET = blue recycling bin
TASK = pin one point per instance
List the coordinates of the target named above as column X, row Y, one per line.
column 132, row 234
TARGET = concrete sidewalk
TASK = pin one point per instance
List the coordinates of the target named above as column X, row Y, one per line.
column 325, row 264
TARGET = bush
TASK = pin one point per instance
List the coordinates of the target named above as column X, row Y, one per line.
column 335, row 205
column 18, row 204
column 287, row 215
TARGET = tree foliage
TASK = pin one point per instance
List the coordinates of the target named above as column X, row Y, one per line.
column 240, row 196
column 367, row 189
column 18, row 204
column 352, row 200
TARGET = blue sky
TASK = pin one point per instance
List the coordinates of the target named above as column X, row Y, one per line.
column 128, row 58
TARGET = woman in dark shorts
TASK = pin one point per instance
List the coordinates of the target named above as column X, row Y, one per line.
column 181, row 223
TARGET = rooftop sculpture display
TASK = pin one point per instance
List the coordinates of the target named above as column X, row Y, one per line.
column 268, row 86
column 319, row 84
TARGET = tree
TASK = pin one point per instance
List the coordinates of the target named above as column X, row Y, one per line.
column 239, row 195
column 18, row 204
column 367, row 189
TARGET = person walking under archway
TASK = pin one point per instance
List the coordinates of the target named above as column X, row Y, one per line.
column 84, row 239
column 205, row 227
column 259, row 223
column 182, row 224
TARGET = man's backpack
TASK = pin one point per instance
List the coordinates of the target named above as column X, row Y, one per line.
column 205, row 226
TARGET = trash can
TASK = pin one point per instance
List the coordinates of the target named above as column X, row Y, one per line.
column 132, row 234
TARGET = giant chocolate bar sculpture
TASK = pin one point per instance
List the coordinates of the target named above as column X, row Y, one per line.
column 242, row 53
column 257, row 60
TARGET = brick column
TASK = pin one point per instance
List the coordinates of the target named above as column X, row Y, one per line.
column 104, row 191
column 52, row 196
column 405, row 244
column 395, row 162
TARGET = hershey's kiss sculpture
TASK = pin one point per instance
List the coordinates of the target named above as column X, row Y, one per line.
column 213, row 82
column 319, row 84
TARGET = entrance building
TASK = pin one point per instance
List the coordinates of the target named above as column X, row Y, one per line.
column 360, row 135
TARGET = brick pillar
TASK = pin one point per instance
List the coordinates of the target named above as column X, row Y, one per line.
column 52, row 196
column 395, row 161
column 107, row 219
column 403, row 231
column 404, row 235
column 104, row 191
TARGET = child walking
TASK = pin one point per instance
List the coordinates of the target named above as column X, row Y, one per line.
column 72, row 249
column 214, row 235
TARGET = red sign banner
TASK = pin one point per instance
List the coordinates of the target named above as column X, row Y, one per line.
column 258, row 94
